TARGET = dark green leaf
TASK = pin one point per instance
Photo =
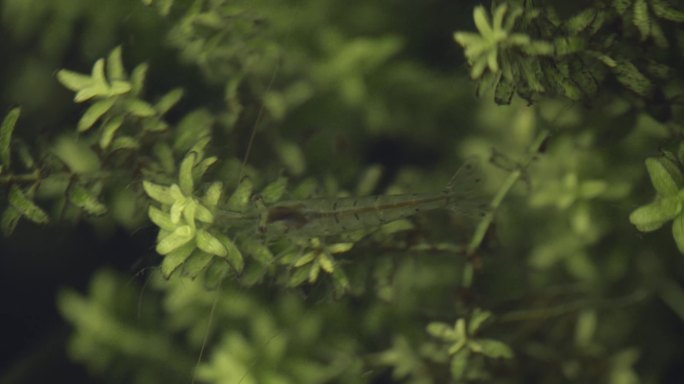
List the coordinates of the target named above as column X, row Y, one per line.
column 665, row 10
column 6, row 130
column 233, row 255
column 9, row 220
column 26, row 206
column 678, row 232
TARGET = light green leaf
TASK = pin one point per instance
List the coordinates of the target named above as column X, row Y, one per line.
column 339, row 248
column 476, row 319
column 210, row 244
column 73, row 81
column 161, row 219
column 299, row 276
column 314, row 271
column 326, row 262
column 139, row 108
column 167, row 101
column 159, row 193
column 201, row 168
column 305, row 259
column 109, row 130
column 233, row 254
column 185, row 179
column 125, row 142
column 240, row 198
column 441, row 330
column 203, row 214
column 213, row 194
column 176, row 258
column 493, row 348
column 26, row 206
column 174, row 240
column 84, row 199
column 115, row 69
column 678, row 232
column 138, row 78
column 274, row 191
column 459, row 364
column 665, row 175
column 196, row 263
column 292, row 157
column 652, row 216
column 94, row 113
column 6, row 130
column 482, row 21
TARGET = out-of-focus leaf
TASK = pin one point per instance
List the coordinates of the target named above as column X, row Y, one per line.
column 6, row 130
column 26, row 206
column 84, row 199
column 94, row 113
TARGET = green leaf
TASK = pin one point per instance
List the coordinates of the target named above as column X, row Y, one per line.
column 476, row 319
column 109, row 130
column 139, row 108
column 73, row 81
column 115, row 69
column 94, row 113
column 26, row 206
column 167, row 101
column 233, row 254
column 161, row 219
column 201, row 168
column 85, row 200
column 504, row 91
column 326, row 262
column 493, row 348
column 665, row 10
column 138, row 78
column 641, row 18
column 159, row 193
column 629, row 76
column 652, row 216
column 6, row 130
column 274, row 191
column 259, row 252
column 176, row 258
column 9, row 220
column 459, row 364
column 482, row 21
column 174, row 240
column 125, row 142
column 678, row 232
column 292, row 157
column 665, row 175
column 441, row 330
column 240, row 198
column 213, row 194
column 210, row 244
column 185, row 179
column 196, row 263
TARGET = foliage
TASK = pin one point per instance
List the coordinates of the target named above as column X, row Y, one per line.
column 249, row 115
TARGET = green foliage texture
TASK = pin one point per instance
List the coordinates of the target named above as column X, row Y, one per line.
column 191, row 118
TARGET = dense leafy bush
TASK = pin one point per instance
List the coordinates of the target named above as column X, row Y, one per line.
column 262, row 142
